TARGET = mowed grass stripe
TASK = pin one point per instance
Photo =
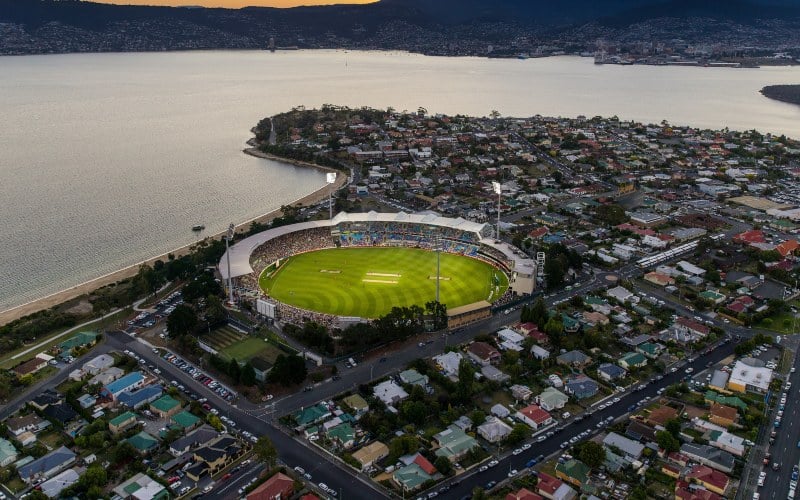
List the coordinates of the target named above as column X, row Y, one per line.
column 299, row 281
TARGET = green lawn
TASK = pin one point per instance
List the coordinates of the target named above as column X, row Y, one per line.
column 250, row 348
column 368, row 282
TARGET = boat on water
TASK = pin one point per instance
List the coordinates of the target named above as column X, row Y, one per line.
column 198, row 227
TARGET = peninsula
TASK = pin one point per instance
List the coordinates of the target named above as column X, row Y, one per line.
column 783, row 93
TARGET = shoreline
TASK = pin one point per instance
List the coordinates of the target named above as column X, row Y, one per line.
column 87, row 287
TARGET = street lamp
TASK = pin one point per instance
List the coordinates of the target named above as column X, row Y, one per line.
column 330, row 177
column 228, row 239
column 499, row 190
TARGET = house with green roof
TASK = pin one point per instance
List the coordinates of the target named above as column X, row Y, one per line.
column 410, row 477
column 165, row 406
column 8, row 454
column 454, row 443
column 712, row 296
column 343, row 434
column 310, row 415
column 356, row 403
column 713, row 397
column 571, row 325
column 186, row 420
column 413, row 377
column 142, row 487
column 650, row 349
column 80, row 339
column 122, row 422
column 574, row 472
column 632, row 360
column 143, row 442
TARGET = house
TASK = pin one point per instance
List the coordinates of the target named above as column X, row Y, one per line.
column 143, row 442
column 415, row 473
column 659, row 416
column 726, row 441
column 689, row 330
column 141, row 487
column 143, row 396
column 581, row 386
column 343, row 435
column 553, row 488
column 570, row 324
column 483, row 353
column 610, row 372
column 53, row 487
column 165, row 406
column 47, row 466
column 712, row 397
column 186, row 421
column 632, row 360
column 551, row 399
column 371, row 454
column 357, row 404
column 719, row 381
column 687, row 491
column 46, row 398
column 713, row 480
column 448, row 363
column 389, row 392
column 539, row 352
column 534, row 416
column 61, row 412
column 494, row 374
column 98, row 364
column 311, row 415
column 650, row 349
column 555, row 381
column 8, row 454
column 747, row 378
column 278, row 487
column 509, row 339
column 122, row 422
column 214, row 456
column 631, row 449
column 494, row 430
column 710, row 456
column 574, row 472
column 198, row 437
column 725, row 416
column 500, row 411
column 659, row 279
column 595, row 318
column 29, row 367
column 107, row 376
column 575, row 359
column 523, row 494
column 454, row 443
column 86, row 401
column 413, row 377
column 127, row 383
column 26, row 423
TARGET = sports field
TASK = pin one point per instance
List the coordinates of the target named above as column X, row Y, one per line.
column 368, row 282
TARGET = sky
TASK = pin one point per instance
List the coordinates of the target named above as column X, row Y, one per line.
column 235, row 4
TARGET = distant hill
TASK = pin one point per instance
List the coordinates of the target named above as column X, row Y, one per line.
column 451, row 27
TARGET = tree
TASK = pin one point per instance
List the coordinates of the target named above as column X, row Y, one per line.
column 216, row 314
column 592, row 454
column 443, row 465
column 288, row 370
column 403, row 445
column 234, row 370
column 266, row 451
column 667, row 442
column 182, row 321
column 123, row 451
column 248, row 375
column 466, row 378
column 554, row 329
column 539, row 314
column 478, row 417
column 95, row 475
column 518, row 434
column 673, row 426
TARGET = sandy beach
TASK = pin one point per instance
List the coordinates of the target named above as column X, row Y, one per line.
column 87, row 287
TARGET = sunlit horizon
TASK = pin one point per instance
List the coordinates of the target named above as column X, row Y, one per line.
column 235, row 4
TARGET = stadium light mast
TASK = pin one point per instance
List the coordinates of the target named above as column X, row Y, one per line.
column 438, row 263
column 331, row 178
column 499, row 190
column 228, row 239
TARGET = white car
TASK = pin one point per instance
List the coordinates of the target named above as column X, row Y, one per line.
column 526, row 446
column 517, row 451
column 513, row 472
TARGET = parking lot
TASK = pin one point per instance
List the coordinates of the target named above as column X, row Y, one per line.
column 200, row 376
column 161, row 310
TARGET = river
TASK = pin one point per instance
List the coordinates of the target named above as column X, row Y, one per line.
column 109, row 159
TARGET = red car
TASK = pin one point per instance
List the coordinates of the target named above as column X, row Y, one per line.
column 172, row 479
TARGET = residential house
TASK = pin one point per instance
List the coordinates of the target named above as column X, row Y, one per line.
column 494, row 374
column 29, row 367
column 141, row 487
column 710, row 456
column 688, row 330
column 552, row 399
column 521, row 392
column 47, row 466
column 413, row 377
column 659, row 416
column 534, row 416
column 389, row 392
column 711, row 397
column 214, row 456
column 575, row 359
column 713, row 480
column 98, row 364
column 454, row 443
column 570, row 324
column 186, row 421
column 574, row 472
column 539, row 352
column 8, row 454
column 127, row 383
column 650, row 349
column 581, row 386
column 143, row 442
column 523, row 494
column 53, row 487
column 621, row 294
column 500, row 411
column 26, row 423
column 719, row 381
column 593, row 318
column 414, row 474
column 357, row 404
column 311, row 415
column 632, row 360
column 510, row 340
column 726, row 441
column 723, row 415
column 693, row 491
column 46, row 398
column 632, row 450
column 122, row 422
column 610, row 372
column 553, row 488
column 448, row 363
column 483, row 353
column 494, row 430
column 198, row 437
column 141, row 397
column 107, row 376
column 278, row 487
column 343, row 435
column 371, row 454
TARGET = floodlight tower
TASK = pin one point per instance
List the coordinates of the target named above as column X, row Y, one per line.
column 499, row 190
column 331, row 178
column 228, row 239
column 438, row 263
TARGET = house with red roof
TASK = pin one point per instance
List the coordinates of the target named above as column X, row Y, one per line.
column 538, row 232
column 278, row 487
column 523, row 494
column 553, row 488
column 711, row 479
column 684, row 492
column 483, row 353
column 534, row 416
column 788, row 248
column 750, row 237
column 424, row 464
